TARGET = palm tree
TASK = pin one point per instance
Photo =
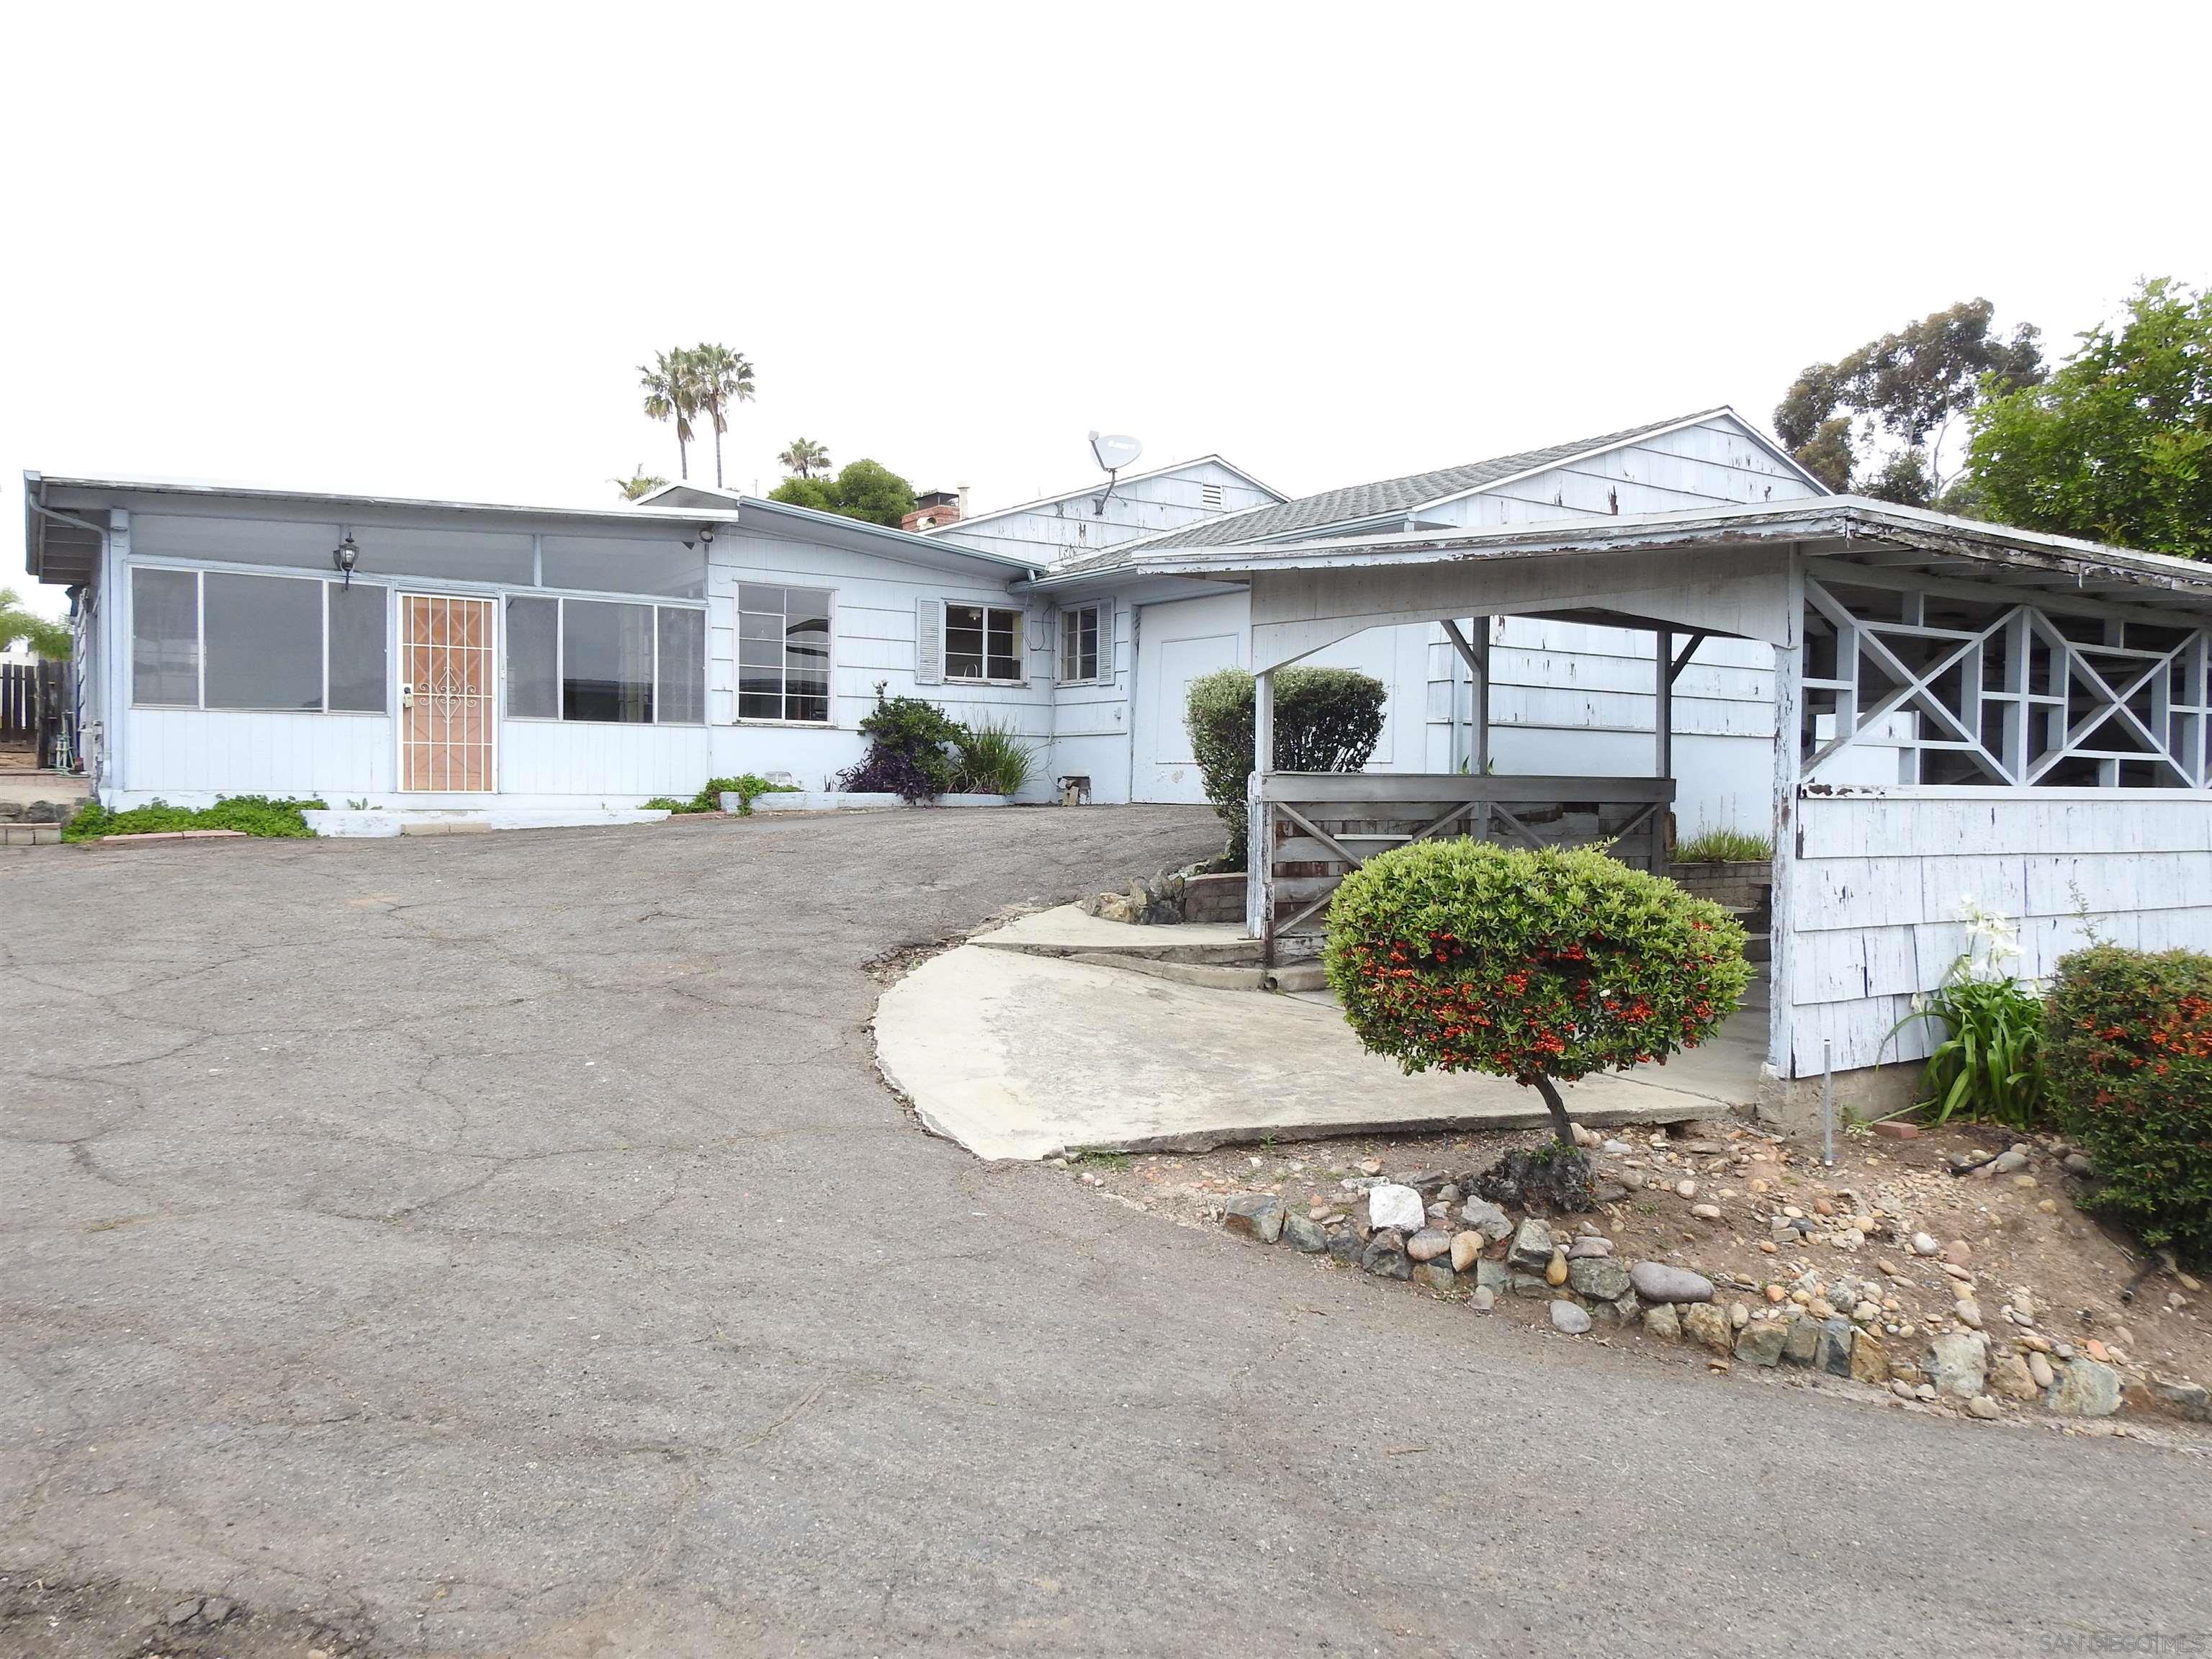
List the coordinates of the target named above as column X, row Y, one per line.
column 724, row 378
column 640, row 482
column 671, row 393
column 804, row 458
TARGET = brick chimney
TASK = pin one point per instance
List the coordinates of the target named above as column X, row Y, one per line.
column 933, row 508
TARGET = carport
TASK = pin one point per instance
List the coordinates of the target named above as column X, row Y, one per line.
column 1966, row 714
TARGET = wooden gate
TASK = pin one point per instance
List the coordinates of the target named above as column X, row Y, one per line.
column 1317, row 828
column 448, row 694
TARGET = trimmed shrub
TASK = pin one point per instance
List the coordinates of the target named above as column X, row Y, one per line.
column 2127, row 1053
column 1327, row 720
column 1462, row 956
column 252, row 815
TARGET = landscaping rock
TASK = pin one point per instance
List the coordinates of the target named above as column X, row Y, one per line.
column 1534, row 1286
column 1761, row 1342
column 1982, row 1407
column 1869, row 1358
column 1385, row 1255
column 1390, row 1204
column 1465, row 1247
column 1428, row 1244
column 2085, row 1388
column 2185, row 1400
column 1598, row 1276
column 1487, row 1219
column 1345, row 1246
column 1655, row 1281
column 1570, row 1317
column 1552, row 1178
column 1256, row 1215
column 1803, row 1342
column 1588, row 1246
column 1662, row 1322
column 1832, row 1346
column 1555, row 1270
column 1304, row 1233
column 2039, row 1372
column 1708, row 1326
column 1437, row 1276
column 1492, row 1276
column 1483, row 1300
column 1957, row 1363
column 1532, row 1245
column 2009, row 1376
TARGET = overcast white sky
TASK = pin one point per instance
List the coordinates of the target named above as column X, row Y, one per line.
column 423, row 249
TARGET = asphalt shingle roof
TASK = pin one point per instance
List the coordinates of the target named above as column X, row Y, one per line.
column 1357, row 503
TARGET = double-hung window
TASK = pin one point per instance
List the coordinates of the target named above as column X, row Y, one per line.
column 982, row 642
column 783, row 653
column 1087, row 644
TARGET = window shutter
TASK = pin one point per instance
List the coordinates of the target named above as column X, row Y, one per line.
column 1109, row 610
column 929, row 642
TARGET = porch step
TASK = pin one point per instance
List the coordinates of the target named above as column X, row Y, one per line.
column 1068, row 932
column 383, row 823
column 1297, row 976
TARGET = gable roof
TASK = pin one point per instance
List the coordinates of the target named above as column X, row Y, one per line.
column 1093, row 488
column 1389, row 499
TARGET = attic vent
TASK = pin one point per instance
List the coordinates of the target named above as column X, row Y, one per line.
column 1209, row 497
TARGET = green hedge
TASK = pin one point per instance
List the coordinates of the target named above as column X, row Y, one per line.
column 2127, row 1054
column 1327, row 720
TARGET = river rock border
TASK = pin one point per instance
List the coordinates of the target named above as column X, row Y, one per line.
column 1427, row 1230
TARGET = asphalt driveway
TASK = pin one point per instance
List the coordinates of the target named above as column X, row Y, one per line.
column 502, row 1244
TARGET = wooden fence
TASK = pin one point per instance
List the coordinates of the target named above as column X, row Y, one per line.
column 1316, row 828
column 34, row 707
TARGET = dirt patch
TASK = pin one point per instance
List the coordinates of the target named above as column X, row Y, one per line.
column 2031, row 1267
column 103, row 1620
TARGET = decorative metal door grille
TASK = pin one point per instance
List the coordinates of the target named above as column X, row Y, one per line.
column 1982, row 691
column 449, row 689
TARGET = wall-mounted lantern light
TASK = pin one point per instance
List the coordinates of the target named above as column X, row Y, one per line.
column 342, row 557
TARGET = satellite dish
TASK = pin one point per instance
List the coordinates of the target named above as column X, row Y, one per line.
column 1115, row 450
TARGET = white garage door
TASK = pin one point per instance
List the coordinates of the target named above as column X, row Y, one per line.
column 1176, row 644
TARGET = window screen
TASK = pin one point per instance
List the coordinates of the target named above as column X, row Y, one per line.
column 533, row 658
column 359, row 672
column 165, row 638
column 683, row 688
column 606, row 662
column 982, row 642
column 263, row 637
column 783, row 653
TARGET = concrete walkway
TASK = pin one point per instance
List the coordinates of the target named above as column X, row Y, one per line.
column 1020, row 1055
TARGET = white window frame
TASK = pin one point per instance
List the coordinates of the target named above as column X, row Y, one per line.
column 737, row 715
column 199, row 574
column 1020, row 642
column 1101, row 661
column 560, row 717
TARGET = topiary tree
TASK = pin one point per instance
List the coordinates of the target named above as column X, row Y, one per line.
column 1462, row 956
column 1327, row 720
column 2127, row 1051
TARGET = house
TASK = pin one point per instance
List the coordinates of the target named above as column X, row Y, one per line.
column 1566, row 696
column 460, row 655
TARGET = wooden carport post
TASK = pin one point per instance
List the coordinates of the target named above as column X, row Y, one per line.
column 1259, row 837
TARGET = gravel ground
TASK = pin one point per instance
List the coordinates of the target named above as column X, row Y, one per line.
column 502, row 1245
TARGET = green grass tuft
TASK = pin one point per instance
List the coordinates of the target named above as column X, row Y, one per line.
column 252, row 815
column 1725, row 846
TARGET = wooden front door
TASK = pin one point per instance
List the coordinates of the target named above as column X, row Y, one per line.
column 448, row 693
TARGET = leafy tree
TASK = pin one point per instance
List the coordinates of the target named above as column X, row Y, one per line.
column 640, row 482
column 805, row 458
column 1876, row 420
column 806, row 492
column 863, row 489
column 671, row 383
column 724, row 377
column 1327, row 720
column 45, row 637
column 2117, row 445
column 869, row 489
